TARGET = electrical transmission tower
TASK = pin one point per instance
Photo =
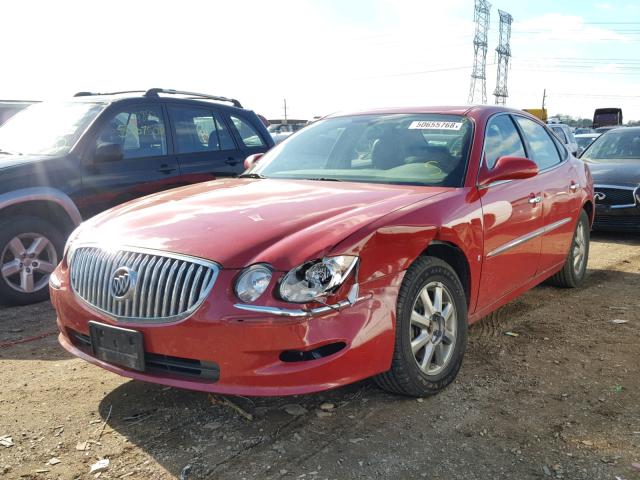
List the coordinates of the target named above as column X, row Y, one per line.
column 504, row 54
column 478, row 89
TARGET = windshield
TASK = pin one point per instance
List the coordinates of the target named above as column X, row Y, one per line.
column 584, row 142
column 48, row 128
column 623, row 144
column 414, row 149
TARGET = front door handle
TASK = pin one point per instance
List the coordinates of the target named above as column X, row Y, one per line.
column 164, row 168
column 535, row 199
column 574, row 186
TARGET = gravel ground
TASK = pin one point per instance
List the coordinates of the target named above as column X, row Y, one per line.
column 559, row 400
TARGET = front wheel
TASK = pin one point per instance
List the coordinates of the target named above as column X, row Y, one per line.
column 30, row 249
column 575, row 268
column 431, row 330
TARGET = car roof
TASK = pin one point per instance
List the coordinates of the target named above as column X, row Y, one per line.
column 142, row 95
column 586, row 135
column 463, row 110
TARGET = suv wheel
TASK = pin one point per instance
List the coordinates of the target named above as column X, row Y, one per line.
column 30, row 249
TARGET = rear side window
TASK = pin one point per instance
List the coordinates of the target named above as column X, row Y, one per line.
column 502, row 139
column 543, row 149
column 139, row 130
column 199, row 130
column 249, row 135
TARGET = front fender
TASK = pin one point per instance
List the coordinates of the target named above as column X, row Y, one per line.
column 44, row 194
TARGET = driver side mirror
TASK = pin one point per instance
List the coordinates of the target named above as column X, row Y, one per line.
column 251, row 160
column 109, row 152
column 508, row 168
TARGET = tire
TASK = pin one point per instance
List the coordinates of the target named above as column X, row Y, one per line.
column 407, row 376
column 574, row 272
column 29, row 247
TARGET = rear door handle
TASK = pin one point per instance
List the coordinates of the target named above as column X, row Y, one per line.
column 231, row 161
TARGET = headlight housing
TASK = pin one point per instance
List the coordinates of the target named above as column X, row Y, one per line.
column 68, row 251
column 253, row 282
column 316, row 279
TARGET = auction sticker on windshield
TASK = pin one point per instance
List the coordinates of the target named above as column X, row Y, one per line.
column 435, row 125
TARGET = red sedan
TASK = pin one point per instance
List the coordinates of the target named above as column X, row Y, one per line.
column 364, row 245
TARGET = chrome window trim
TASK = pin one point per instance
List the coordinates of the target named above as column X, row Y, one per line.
column 215, row 269
column 635, row 190
column 529, row 236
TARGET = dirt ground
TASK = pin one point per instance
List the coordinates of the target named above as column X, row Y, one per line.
column 559, row 400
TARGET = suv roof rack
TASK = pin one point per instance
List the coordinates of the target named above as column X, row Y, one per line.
column 91, row 94
column 153, row 92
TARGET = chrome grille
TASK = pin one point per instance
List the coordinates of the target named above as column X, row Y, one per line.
column 168, row 287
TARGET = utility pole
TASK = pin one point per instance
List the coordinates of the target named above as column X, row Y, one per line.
column 544, row 97
column 478, row 88
column 504, row 55
column 285, row 111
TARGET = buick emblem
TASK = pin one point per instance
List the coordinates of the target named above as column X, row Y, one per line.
column 123, row 283
column 599, row 196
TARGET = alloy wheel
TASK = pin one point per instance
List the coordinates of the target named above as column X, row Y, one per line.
column 27, row 261
column 433, row 328
column 579, row 248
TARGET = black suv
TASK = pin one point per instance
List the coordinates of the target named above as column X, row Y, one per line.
column 61, row 162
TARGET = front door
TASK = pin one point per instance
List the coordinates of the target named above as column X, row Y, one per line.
column 512, row 219
column 144, row 168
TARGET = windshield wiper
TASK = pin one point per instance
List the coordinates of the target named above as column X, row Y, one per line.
column 251, row 175
column 323, row 179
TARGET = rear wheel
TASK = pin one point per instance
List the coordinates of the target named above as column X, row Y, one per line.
column 431, row 330
column 30, row 249
column 575, row 268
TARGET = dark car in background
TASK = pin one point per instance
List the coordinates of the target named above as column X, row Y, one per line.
column 614, row 159
column 62, row 162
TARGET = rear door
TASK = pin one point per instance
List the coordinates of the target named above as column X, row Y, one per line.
column 512, row 218
column 146, row 165
column 559, row 191
column 205, row 148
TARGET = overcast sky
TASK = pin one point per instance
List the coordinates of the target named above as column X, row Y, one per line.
column 323, row 55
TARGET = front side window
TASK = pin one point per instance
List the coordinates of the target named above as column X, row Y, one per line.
column 623, row 144
column 501, row 140
column 415, row 149
column 47, row 128
column 140, row 131
column 250, row 137
column 199, row 130
column 543, row 150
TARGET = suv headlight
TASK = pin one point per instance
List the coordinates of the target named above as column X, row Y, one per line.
column 252, row 282
column 314, row 280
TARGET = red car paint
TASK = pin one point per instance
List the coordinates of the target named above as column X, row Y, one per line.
column 240, row 222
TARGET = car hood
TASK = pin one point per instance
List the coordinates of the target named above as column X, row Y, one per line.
column 10, row 161
column 238, row 222
column 623, row 172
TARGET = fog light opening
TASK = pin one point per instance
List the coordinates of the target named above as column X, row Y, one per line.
column 315, row 354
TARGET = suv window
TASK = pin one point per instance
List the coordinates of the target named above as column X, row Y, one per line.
column 543, row 149
column 199, row 130
column 501, row 139
column 139, row 130
column 249, row 135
